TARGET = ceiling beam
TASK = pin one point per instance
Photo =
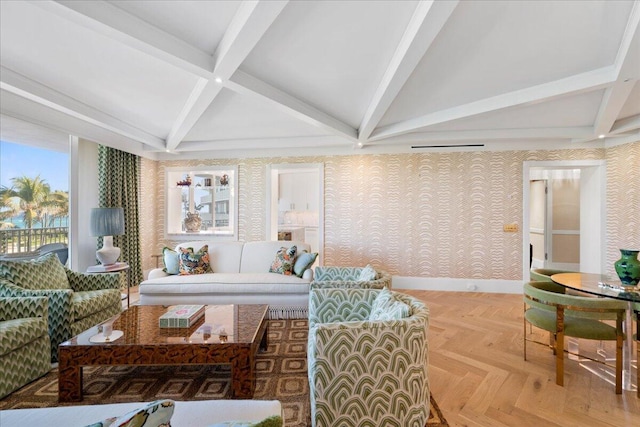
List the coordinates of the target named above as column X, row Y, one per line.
column 492, row 134
column 114, row 23
column 24, row 87
column 627, row 73
column 263, row 143
column 426, row 23
column 574, row 85
column 248, row 85
column 251, row 21
column 626, row 125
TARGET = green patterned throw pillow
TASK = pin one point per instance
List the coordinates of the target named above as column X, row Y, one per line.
column 387, row 306
column 194, row 263
column 283, row 264
column 45, row 272
column 171, row 261
column 304, row 261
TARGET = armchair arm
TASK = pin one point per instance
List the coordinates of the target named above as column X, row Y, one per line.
column 20, row 308
column 157, row 273
column 92, row 282
column 348, row 277
column 330, row 273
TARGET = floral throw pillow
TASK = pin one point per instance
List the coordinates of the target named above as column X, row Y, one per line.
column 154, row 414
column 285, row 258
column 194, row 263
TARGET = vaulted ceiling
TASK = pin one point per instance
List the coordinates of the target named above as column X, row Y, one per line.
column 175, row 79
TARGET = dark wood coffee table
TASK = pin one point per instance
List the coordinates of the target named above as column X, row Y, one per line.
column 143, row 342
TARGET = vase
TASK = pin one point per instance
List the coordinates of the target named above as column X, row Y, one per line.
column 628, row 267
column 192, row 222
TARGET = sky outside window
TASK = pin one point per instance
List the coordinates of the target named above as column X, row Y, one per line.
column 18, row 160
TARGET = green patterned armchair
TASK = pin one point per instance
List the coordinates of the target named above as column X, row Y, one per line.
column 350, row 277
column 367, row 372
column 77, row 301
column 24, row 342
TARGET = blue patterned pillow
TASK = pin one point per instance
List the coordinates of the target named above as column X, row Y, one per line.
column 283, row 264
column 171, row 261
column 387, row 306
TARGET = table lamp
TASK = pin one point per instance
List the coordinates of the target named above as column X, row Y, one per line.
column 107, row 222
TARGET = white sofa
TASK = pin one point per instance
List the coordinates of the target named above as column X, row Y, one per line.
column 240, row 276
column 186, row 414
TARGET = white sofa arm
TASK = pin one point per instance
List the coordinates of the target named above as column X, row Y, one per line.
column 156, row 273
column 308, row 274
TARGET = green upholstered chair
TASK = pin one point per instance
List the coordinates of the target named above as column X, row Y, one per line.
column 573, row 316
column 77, row 301
column 348, row 277
column 25, row 348
column 362, row 371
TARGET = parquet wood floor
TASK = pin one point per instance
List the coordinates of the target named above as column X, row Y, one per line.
column 479, row 377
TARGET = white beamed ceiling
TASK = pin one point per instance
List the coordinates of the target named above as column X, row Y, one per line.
column 319, row 77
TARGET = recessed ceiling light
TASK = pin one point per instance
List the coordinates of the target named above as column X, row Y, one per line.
column 218, row 80
column 600, row 136
column 167, row 150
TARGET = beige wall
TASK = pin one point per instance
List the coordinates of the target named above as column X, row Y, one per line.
column 429, row 215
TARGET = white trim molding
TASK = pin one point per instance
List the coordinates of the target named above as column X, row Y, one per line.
column 457, row 285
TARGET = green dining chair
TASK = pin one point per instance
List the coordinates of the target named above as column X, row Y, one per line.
column 573, row 316
column 636, row 311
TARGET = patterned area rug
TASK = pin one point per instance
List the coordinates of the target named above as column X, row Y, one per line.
column 281, row 374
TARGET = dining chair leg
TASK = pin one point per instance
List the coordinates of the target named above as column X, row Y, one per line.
column 559, row 349
column 619, row 340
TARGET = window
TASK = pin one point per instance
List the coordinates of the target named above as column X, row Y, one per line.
column 201, row 201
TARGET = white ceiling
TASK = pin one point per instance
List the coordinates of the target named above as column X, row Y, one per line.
column 315, row 77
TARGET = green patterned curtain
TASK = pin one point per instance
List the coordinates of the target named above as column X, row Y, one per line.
column 119, row 178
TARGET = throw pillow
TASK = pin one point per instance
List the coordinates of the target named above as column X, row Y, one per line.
column 171, row 261
column 387, row 306
column 272, row 421
column 304, row 261
column 194, row 263
column 154, row 414
column 45, row 272
column 368, row 273
column 283, row 264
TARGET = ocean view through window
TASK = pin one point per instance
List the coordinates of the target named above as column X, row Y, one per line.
column 34, row 199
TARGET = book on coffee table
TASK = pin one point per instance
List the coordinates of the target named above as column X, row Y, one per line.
column 181, row 316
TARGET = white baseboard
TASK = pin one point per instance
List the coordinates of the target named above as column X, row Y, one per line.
column 457, row 285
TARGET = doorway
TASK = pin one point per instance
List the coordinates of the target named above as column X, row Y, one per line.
column 592, row 193
column 295, row 204
column 554, row 227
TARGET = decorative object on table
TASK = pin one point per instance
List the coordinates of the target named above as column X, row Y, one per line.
column 224, row 180
column 181, row 316
column 100, row 268
column 185, row 182
column 193, row 221
column 628, row 267
column 107, row 222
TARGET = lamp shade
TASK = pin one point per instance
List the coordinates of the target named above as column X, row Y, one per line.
column 107, row 221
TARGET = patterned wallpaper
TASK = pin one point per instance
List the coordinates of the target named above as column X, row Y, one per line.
column 623, row 201
column 427, row 214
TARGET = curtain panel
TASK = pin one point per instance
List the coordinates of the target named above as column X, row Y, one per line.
column 119, row 183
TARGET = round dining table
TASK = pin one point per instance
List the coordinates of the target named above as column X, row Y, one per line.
column 605, row 286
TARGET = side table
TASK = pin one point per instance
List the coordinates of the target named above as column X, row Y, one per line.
column 113, row 268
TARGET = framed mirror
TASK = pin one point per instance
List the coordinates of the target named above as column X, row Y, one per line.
column 201, row 201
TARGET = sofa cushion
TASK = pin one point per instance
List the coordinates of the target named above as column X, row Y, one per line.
column 272, row 421
column 283, row 262
column 20, row 332
column 45, row 272
column 387, row 306
column 86, row 303
column 171, row 261
column 304, row 261
column 229, row 283
column 194, row 263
